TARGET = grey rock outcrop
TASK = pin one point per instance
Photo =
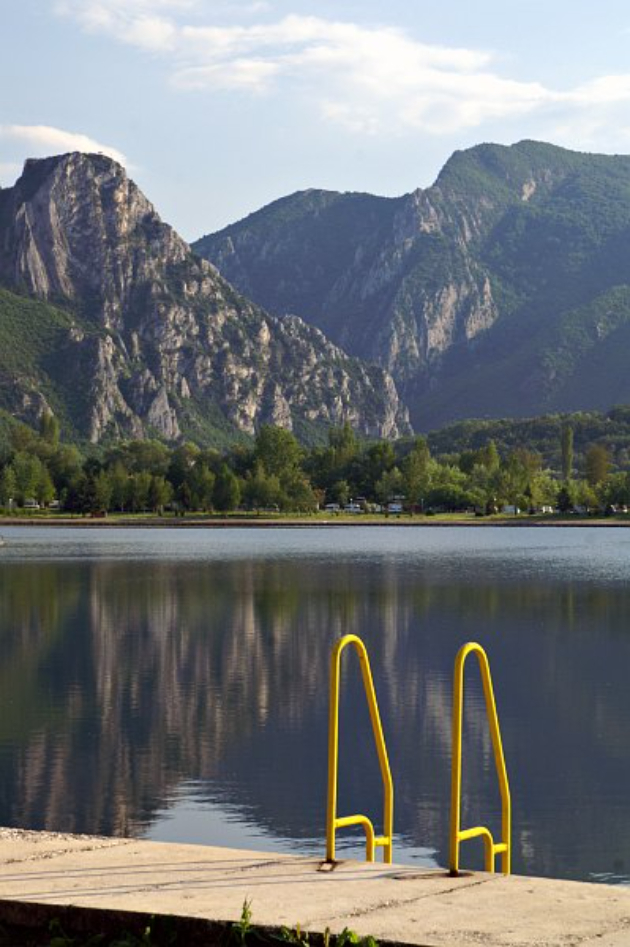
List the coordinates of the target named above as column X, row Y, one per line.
column 160, row 344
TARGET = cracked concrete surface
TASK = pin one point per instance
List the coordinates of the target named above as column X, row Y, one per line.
column 393, row 903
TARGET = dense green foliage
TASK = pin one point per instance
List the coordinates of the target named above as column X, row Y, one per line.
column 557, row 264
column 544, row 435
column 29, row 331
column 34, row 343
column 539, row 464
column 336, row 224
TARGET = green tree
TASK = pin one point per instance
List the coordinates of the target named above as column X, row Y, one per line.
column 201, row 481
column 23, row 439
column 28, row 471
column 261, row 490
column 613, row 491
column 65, row 464
column 8, row 485
column 77, row 497
column 139, row 489
column 544, row 489
column 530, row 462
column 227, row 491
column 391, row 484
column 515, row 480
column 120, row 483
column 277, row 450
column 585, row 496
column 297, row 493
column 489, row 457
column 339, row 492
column 160, row 494
column 416, row 472
column 103, row 490
column 49, row 428
column 483, row 486
column 597, row 464
column 45, row 490
column 343, row 443
column 566, row 450
column 367, row 467
column 448, row 488
column 449, row 497
column 467, row 460
column 142, row 455
column 184, row 497
column 183, row 459
column 566, row 497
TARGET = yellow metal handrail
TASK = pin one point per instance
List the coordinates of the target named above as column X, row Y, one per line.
column 458, row 834
column 332, row 821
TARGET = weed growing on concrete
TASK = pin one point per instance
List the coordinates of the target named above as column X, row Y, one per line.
column 296, row 937
column 165, row 932
column 348, row 937
column 166, row 936
column 242, row 928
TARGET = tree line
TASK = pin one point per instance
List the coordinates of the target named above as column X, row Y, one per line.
column 276, row 473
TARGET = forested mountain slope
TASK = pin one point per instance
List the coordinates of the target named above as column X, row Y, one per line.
column 503, row 289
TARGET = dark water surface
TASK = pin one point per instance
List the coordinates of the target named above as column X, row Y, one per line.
column 174, row 684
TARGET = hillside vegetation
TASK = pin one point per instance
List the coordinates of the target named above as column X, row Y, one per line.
column 502, row 290
column 536, row 465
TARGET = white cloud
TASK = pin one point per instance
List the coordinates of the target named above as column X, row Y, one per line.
column 150, row 32
column 607, row 90
column 249, row 74
column 368, row 79
column 135, row 22
column 43, row 140
column 88, row 8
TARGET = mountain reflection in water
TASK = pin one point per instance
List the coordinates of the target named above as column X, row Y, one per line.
column 183, row 695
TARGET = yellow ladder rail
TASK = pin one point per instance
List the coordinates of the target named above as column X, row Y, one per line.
column 457, row 834
column 333, row 822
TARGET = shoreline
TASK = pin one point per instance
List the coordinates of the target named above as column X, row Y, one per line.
column 416, row 522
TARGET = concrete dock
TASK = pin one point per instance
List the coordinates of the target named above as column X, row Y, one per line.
column 102, row 881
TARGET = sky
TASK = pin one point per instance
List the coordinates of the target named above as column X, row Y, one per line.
column 217, row 107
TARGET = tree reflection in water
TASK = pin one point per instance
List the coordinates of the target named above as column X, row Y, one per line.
column 122, row 681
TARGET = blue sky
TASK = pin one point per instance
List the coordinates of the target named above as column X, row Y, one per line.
column 219, row 106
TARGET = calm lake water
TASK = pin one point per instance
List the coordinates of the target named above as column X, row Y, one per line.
column 173, row 684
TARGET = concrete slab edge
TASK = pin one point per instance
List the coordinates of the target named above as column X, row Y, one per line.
column 171, row 930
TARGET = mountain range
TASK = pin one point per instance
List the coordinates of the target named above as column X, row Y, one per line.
column 501, row 290
column 109, row 321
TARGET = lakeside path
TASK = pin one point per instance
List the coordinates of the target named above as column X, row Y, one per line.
column 93, row 884
column 247, row 522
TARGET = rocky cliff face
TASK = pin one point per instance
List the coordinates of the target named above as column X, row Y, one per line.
column 158, row 342
column 457, row 289
column 401, row 285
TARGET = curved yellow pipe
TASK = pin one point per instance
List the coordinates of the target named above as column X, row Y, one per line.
column 457, row 835
column 332, row 821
